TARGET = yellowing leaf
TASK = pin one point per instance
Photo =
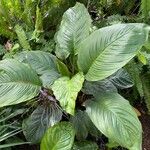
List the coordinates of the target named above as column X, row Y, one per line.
column 137, row 111
column 66, row 91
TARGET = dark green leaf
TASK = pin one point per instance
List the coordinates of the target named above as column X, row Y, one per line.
column 83, row 125
column 121, row 79
column 40, row 120
column 98, row 87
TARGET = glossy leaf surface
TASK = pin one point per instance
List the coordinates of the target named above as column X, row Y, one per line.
column 108, row 49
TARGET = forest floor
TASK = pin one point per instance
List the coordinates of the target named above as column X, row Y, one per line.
column 145, row 120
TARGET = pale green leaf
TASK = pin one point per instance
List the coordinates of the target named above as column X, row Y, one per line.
column 18, row 82
column 108, row 49
column 40, row 120
column 58, row 137
column 66, row 91
column 75, row 27
column 116, row 119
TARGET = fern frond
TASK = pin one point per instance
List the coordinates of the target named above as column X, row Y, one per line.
column 145, row 9
column 16, row 9
column 114, row 19
column 6, row 21
column 4, row 10
column 134, row 72
column 22, row 38
column 38, row 24
column 29, row 12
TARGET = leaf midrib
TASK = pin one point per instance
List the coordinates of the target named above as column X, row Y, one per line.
column 20, row 82
column 105, row 49
column 117, row 118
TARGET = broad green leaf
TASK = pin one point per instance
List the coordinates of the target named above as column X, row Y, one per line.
column 121, row 79
column 83, row 126
column 66, row 91
column 40, row 61
column 75, row 26
column 44, row 63
column 98, row 87
column 115, row 118
column 58, row 137
column 40, row 120
column 18, row 82
column 62, row 68
column 108, row 49
column 87, row 145
column 49, row 77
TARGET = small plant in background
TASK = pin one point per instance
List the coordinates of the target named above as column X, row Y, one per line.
column 30, row 24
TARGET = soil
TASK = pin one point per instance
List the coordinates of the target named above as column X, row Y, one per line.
column 145, row 120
